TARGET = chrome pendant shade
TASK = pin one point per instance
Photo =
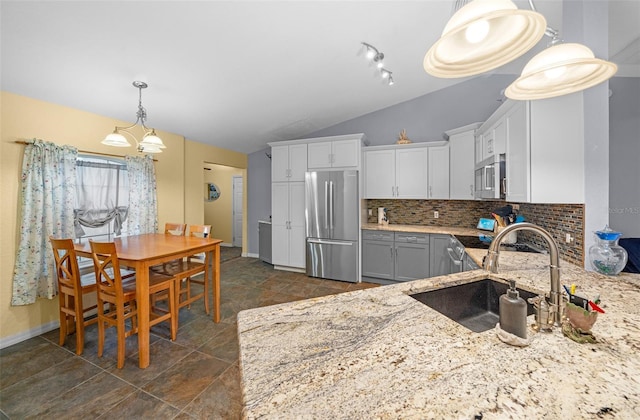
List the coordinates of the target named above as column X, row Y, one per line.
column 150, row 143
column 481, row 36
column 559, row 70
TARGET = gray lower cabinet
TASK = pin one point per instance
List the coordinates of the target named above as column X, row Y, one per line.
column 440, row 263
column 391, row 257
column 377, row 255
column 412, row 256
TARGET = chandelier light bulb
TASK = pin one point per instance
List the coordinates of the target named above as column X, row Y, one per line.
column 477, row 31
column 370, row 54
column 555, row 72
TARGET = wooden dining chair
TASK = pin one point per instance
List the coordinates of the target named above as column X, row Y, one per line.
column 121, row 297
column 184, row 271
column 71, row 289
column 177, row 229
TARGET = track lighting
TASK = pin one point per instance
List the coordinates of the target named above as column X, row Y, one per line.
column 377, row 57
column 374, row 55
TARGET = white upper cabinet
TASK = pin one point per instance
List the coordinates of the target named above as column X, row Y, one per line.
column 544, row 145
column 395, row 173
column 557, row 149
column 411, row 173
column 438, row 172
column 334, row 154
column 379, row 173
column 288, row 163
column 461, row 162
column 403, row 171
column 517, row 165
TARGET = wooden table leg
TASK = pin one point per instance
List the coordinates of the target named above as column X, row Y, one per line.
column 216, row 283
column 142, row 301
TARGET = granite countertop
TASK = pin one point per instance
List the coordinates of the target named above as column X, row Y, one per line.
column 446, row 230
column 378, row 353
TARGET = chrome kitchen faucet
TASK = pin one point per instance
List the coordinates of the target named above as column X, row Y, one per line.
column 491, row 263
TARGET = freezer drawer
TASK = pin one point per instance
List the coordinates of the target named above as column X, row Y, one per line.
column 332, row 259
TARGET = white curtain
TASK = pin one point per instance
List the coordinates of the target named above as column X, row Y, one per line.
column 103, row 195
column 48, row 196
column 143, row 201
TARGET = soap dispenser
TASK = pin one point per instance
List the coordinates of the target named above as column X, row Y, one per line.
column 513, row 312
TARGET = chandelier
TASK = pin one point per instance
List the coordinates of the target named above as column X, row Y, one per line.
column 150, row 143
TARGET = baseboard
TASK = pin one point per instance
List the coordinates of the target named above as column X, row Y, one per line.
column 251, row 255
column 25, row 335
column 227, row 244
column 293, row 269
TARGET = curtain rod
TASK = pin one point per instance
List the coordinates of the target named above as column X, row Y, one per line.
column 82, row 151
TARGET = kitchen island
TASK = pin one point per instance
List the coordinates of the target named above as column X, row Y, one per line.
column 378, row 353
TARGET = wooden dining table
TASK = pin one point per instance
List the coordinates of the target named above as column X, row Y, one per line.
column 140, row 252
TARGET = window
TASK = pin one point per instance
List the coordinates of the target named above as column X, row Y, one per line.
column 102, row 198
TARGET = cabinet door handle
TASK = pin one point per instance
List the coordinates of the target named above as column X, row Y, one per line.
column 392, row 192
column 430, row 191
column 397, row 191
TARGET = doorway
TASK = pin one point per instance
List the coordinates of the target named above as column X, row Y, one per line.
column 223, row 209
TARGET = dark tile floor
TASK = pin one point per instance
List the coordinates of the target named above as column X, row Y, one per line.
column 197, row 376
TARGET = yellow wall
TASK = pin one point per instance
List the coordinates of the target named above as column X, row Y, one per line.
column 22, row 118
column 196, row 156
column 219, row 213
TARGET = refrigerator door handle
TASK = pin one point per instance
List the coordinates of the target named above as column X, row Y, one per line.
column 326, row 205
column 331, row 193
column 326, row 242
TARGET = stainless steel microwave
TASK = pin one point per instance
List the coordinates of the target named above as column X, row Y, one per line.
column 490, row 178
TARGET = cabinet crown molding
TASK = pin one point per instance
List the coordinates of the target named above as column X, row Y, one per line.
column 421, row 145
column 358, row 136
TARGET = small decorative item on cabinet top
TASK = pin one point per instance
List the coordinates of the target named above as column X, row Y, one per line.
column 402, row 138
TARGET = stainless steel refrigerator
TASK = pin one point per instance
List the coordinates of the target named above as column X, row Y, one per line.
column 332, row 228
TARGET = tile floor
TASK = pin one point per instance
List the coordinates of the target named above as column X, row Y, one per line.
column 197, row 376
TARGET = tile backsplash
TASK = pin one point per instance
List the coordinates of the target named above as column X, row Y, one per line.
column 558, row 219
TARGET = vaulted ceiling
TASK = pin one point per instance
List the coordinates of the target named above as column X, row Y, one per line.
column 238, row 74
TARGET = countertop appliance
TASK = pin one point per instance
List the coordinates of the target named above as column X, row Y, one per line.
column 332, row 228
column 490, row 178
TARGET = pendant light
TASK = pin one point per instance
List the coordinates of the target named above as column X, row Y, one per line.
column 559, row 70
column 481, row 36
column 150, row 143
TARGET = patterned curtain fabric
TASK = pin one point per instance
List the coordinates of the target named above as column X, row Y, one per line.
column 143, row 201
column 48, row 196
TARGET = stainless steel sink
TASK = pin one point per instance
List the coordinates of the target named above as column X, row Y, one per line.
column 474, row 305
